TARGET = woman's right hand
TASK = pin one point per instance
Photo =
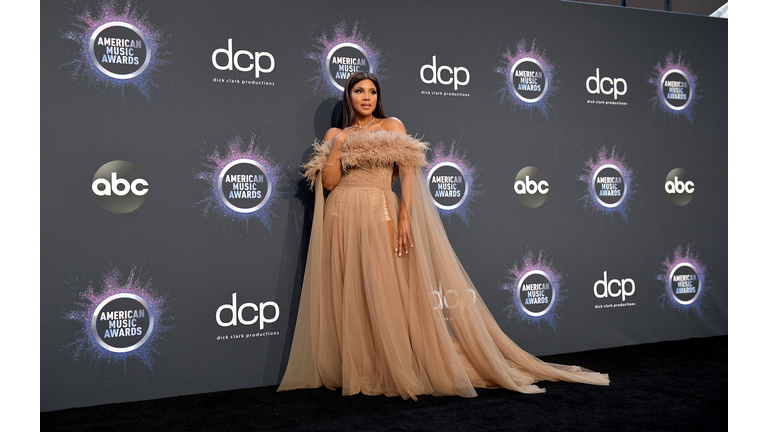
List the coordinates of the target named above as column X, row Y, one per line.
column 332, row 170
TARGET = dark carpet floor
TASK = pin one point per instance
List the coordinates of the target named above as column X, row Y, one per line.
column 667, row 386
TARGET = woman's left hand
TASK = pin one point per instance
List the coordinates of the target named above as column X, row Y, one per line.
column 403, row 241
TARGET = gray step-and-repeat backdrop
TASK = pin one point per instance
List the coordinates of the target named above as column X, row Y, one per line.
column 578, row 159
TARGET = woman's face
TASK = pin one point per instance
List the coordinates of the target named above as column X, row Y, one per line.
column 364, row 97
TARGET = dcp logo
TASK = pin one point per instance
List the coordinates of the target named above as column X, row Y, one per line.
column 614, row 287
column 248, row 313
column 679, row 187
column 531, row 187
column 119, row 187
column 259, row 62
column 607, row 86
column 446, row 75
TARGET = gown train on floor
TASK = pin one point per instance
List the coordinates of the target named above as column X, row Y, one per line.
column 374, row 323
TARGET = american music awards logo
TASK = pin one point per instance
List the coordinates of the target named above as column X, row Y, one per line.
column 685, row 280
column 675, row 87
column 243, row 183
column 451, row 181
column 609, row 183
column 536, row 290
column 117, row 48
column 341, row 55
column 120, row 318
column 528, row 77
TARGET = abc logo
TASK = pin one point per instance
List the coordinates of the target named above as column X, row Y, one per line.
column 119, row 187
column 253, row 61
column 459, row 76
column 606, row 86
column 531, row 187
column 679, row 187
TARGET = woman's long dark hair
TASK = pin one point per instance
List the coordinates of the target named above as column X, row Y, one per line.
column 347, row 118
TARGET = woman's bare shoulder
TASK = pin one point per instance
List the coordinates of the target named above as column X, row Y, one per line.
column 331, row 133
column 393, row 124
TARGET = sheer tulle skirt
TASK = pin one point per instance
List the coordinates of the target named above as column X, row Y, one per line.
column 374, row 323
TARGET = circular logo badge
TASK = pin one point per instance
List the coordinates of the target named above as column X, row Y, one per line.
column 447, row 185
column 531, row 187
column 344, row 60
column 535, row 294
column 675, row 86
column 122, row 323
column 244, row 186
column 119, row 187
column 609, row 186
column 679, row 187
column 684, row 283
column 119, row 50
column 528, row 80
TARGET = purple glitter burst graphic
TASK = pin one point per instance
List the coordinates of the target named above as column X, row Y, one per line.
column 680, row 258
column 536, row 55
column 236, row 150
column 86, row 24
column 112, row 283
column 440, row 156
column 324, row 45
column 592, row 166
column 677, row 65
column 534, row 264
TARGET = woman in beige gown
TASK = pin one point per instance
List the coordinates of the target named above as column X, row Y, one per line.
column 370, row 318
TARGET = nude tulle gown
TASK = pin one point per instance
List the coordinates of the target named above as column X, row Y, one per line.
column 371, row 322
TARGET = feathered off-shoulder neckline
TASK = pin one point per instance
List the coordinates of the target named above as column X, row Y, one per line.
column 380, row 147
